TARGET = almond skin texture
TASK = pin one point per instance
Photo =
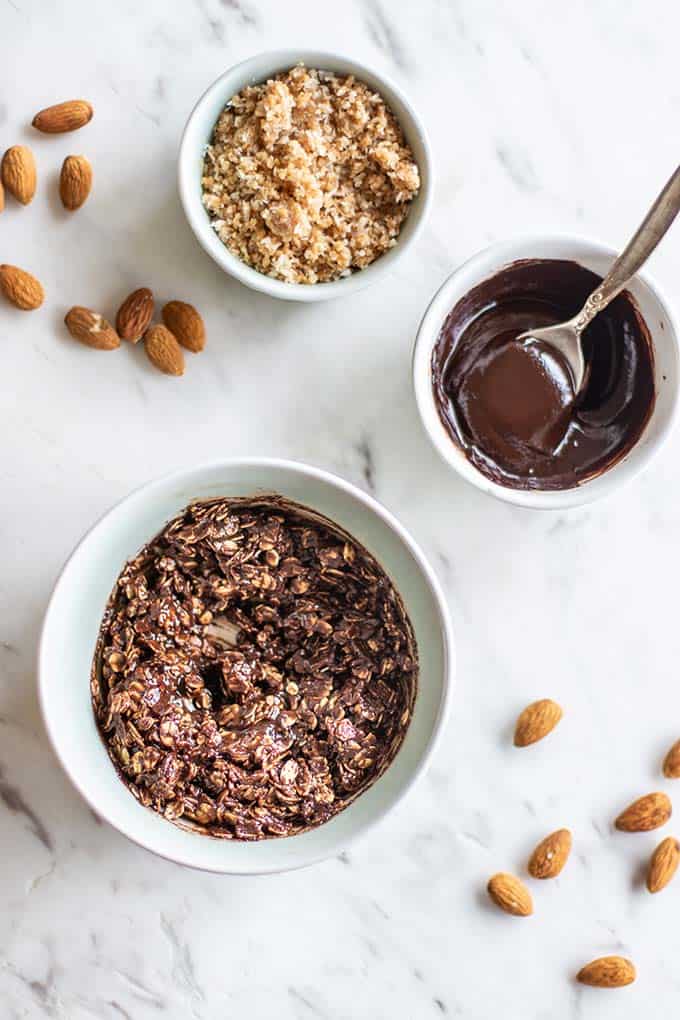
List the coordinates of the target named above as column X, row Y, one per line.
column 536, row 722
column 68, row 116
column 671, row 763
column 187, row 325
column 163, row 350
column 511, row 895
column 19, row 174
column 663, row 864
column 91, row 329
column 22, row 289
column 134, row 315
column 550, row 855
column 75, row 182
column 646, row 813
column 607, row 972
column 2, row 196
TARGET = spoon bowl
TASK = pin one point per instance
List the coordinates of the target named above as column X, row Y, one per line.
column 565, row 337
column 565, row 340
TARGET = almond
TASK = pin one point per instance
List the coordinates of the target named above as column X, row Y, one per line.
column 68, row 116
column 134, row 315
column 510, row 894
column 19, row 174
column 91, row 329
column 646, row 813
column 75, row 181
column 163, row 350
column 536, row 722
column 607, row 972
column 550, row 855
column 22, row 289
column 185, row 322
column 2, row 196
column 671, row 763
column 663, row 864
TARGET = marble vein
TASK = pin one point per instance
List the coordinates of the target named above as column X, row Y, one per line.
column 384, row 33
column 183, row 970
column 367, row 461
column 14, row 801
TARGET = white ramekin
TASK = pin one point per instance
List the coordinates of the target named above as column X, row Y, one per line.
column 74, row 615
column 197, row 135
column 656, row 311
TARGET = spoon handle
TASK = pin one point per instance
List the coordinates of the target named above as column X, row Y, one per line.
column 637, row 251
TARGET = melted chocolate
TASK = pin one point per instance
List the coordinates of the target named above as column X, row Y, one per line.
column 511, row 406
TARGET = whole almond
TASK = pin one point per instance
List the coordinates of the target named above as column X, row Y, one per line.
column 91, row 329
column 536, row 722
column 68, row 116
column 75, row 181
column 550, row 855
column 19, row 174
column 163, row 350
column 510, row 894
column 187, row 325
column 607, row 972
column 21, row 288
column 671, row 763
column 135, row 314
column 645, row 814
column 663, row 864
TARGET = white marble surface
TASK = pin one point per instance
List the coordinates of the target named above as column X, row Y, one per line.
column 541, row 116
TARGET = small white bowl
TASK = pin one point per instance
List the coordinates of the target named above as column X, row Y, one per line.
column 197, row 134
column 74, row 615
column 657, row 313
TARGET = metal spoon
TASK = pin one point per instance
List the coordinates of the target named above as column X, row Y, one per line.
column 566, row 336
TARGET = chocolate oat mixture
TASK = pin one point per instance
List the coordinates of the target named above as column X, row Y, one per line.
column 255, row 669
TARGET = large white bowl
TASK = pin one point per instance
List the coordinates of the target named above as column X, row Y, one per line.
column 657, row 313
column 197, row 135
column 74, row 615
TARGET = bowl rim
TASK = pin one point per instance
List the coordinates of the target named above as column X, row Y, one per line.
column 276, row 60
column 445, row 626
column 485, row 263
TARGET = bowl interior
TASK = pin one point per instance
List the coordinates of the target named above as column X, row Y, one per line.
column 597, row 257
column 199, row 130
column 75, row 612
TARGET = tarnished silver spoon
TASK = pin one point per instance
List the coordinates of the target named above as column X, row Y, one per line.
column 566, row 336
